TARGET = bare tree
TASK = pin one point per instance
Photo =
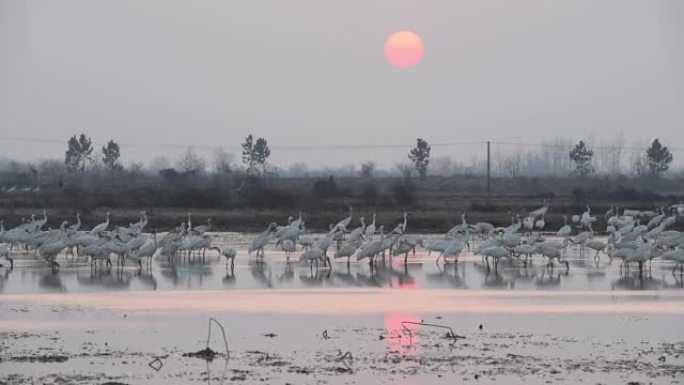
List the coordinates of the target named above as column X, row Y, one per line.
column 442, row 166
column 510, row 165
column 159, row 163
column 190, row 162
column 223, row 161
column 298, row 170
column 405, row 169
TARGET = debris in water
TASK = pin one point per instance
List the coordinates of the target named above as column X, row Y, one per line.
column 156, row 364
column 270, row 335
column 325, row 334
column 205, row 353
column 223, row 332
column 450, row 333
column 480, row 327
column 346, row 359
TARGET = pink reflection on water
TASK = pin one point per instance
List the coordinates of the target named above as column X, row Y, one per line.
column 398, row 338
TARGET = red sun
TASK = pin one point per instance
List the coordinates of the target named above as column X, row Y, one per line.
column 404, row 49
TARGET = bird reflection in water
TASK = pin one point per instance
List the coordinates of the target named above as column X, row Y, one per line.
column 146, row 279
column 52, row 281
column 261, row 273
column 400, row 277
column 4, row 276
column 494, row 279
column 398, row 339
column 115, row 279
column 346, row 277
column 549, row 279
column 288, row 273
column 636, row 281
column 449, row 274
column 316, row 277
column 229, row 278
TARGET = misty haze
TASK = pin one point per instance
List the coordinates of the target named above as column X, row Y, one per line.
column 308, row 192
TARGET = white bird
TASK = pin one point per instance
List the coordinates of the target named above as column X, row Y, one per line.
column 50, row 251
column 552, row 254
column 101, row 227
column 528, row 224
column 483, row 228
column 344, row 223
column 370, row 229
column 676, row 256
column 229, row 254
column 566, row 230
column 201, row 229
column 525, row 249
column 641, row 255
column 5, row 252
column 261, row 240
column 77, row 225
column 539, row 224
column 597, row 245
column 401, row 227
column 357, row 233
column 540, row 212
column 147, row 250
column 371, row 249
column 288, row 246
column 454, row 249
column 314, row 254
column 347, row 251
column 656, row 220
column 459, row 228
column 496, row 253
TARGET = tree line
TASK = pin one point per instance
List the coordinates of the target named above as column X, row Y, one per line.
column 582, row 160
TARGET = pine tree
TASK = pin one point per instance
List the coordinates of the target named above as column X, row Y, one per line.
column 658, row 158
column 110, row 156
column 78, row 152
column 582, row 156
column 420, row 156
column 261, row 153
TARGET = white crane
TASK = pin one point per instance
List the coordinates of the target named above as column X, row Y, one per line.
column 370, row 229
column 229, row 253
column 401, row 227
column 496, row 253
column 77, row 225
column 344, row 223
column 101, row 227
column 289, row 247
column 357, row 234
column 347, row 250
column 261, row 240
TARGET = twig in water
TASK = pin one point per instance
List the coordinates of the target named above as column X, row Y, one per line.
column 223, row 331
column 346, row 359
column 450, row 333
column 325, row 334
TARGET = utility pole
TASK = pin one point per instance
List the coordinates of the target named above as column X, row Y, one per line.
column 489, row 169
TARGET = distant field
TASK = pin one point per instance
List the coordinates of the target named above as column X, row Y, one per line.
column 434, row 205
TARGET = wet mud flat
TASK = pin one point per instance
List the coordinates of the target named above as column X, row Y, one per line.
column 68, row 343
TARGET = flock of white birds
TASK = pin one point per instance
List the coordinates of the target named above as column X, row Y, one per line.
column 632, row 236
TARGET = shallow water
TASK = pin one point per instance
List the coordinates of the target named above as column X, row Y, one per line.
column 590, row 323
column 420, row 272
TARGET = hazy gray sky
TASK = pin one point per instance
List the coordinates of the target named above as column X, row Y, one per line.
column 313, row 72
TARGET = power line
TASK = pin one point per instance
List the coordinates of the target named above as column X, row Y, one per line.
column 331, row 147
column 570, row 146
column 209, row 147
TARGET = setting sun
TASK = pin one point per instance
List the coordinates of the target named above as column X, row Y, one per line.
column 404, row 49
